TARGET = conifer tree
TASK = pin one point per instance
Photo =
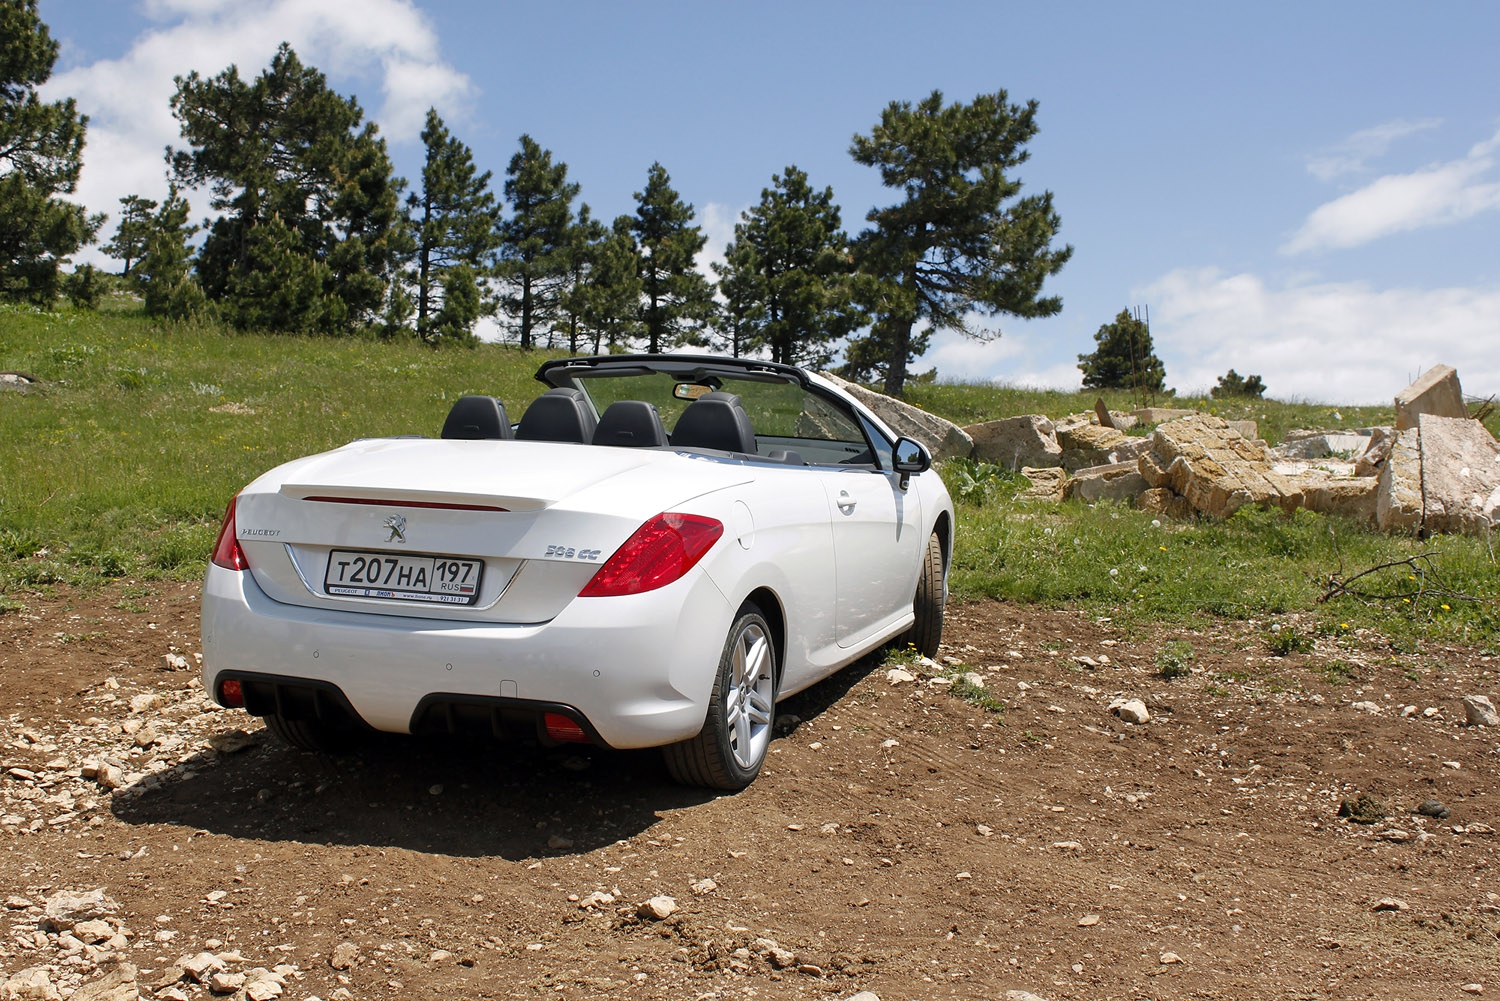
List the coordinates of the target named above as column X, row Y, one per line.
column 611, row 301
column 41, row 154
column 311, row 225
column 533, row 262
column 165, row 270
column 962, row 239
column 788, row 278
column 577, row 256
column 453, row 223
column 129, row 243
column 676, row 300
column 1123, row 358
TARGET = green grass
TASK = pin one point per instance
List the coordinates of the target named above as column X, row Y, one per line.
column 122, row 464
column 1175, row 659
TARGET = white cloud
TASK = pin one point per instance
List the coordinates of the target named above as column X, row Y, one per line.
column 1432, row 196
column 717, row 223
column 126, row 98
column 1330, row 342
column 1352, row 155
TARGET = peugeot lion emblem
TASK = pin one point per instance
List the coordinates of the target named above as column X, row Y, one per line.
column 397, row 524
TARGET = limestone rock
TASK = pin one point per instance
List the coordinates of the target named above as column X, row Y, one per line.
column 1101, row 411
column 1460, row 475
column 1161, row 500
column 1131, row 711
column 1437, row 392
column 1481, row 711
column 1372, row 459
column 1349, row 497
column 17, row 381
column 66, row 908
column 1119, row 481
column 943, row 439
column 658, row 908
column 1204, row 460
column 1046, row 484
column 1247, row 429
column 30, row 984
column 116, row 985
column 1398, row 493
column 1157, row 415
column 1088, row 444
column 343, row 956
column 1321, row 444
column 1014, row 442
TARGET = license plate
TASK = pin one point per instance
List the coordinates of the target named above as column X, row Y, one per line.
column 448, row 580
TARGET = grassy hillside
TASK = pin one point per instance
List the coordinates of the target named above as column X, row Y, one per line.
column 122, row 463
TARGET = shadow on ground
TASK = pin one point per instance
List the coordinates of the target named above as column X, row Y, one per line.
column 442, row 796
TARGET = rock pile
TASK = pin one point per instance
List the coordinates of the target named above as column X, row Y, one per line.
column 1437, row 470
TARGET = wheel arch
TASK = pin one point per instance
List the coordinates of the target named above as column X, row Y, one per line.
column 944, row 529
column 770, row 606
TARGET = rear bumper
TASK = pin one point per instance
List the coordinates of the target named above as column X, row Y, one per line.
column 637, row 669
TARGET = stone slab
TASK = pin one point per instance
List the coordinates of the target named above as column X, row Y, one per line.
column 1460, row 475
column 1437, row 392
column 1014, row 442
column 1117, row 481
column 1218, row 471
column 1158, row 415
column 1398, row 491
column 943, row 438
column 1345, row 496
column 1047, row 483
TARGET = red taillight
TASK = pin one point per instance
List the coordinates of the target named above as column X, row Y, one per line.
column 660, row 551
column 231, row 694
column 227, row 551
column 560, row 727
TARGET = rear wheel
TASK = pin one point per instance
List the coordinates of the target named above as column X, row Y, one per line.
column 309, row 735
column 927, row 631
column 728, row 752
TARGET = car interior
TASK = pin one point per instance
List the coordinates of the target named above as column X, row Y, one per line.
column 714, row 422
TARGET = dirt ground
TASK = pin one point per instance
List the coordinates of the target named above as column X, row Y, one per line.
column 900, row 840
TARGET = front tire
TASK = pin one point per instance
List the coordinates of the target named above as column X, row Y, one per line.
column 728, row 752
column 927, row 631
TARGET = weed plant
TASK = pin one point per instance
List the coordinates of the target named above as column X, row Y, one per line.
column 1175, row 659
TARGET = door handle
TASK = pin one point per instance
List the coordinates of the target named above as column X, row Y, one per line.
column 845, row 502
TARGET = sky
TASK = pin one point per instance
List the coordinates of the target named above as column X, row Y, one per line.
column 1306, row 192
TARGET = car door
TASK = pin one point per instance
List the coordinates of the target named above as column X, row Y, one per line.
column 877, row 548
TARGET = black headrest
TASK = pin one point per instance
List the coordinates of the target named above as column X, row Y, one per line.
column 632, row 423
column 558, row 415
column 475, row 417
column 715, row 420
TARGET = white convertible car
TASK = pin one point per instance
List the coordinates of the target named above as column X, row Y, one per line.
column 587, row 574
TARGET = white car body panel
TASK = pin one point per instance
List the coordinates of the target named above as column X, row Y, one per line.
column 837, row 549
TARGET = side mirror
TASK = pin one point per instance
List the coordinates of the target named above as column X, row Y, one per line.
column 910, row 459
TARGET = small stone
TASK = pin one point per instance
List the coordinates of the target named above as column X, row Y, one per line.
column 1133, row 711
column 964, row 875
column 93, row 932
column 172, row 994
column 226, row 983
column 557, row 842
column 1407, row 711
column 435, row 790
column 1432, row 712
column 865, row 996
column 174, row 662
column 811, row 969
column 214, row 896
column 144, row 701
column 702, row 886
column 1472, row 988
column 1434, row 808
column 15, row 902
column 263, row 990
column 343, row 956
column 30, row 983
column 66, row 908
column 1480, row 710
column 596, row 899
column 201, row 966
column 1363, row 809
column 1168, row 958
column 1390, row 904
column 439, row 956
column 899, row 675
column 1456, row 766
column 1088, row 921
column 983, row 830
column 658, row 908
column 1366, row 707
column 892, row 742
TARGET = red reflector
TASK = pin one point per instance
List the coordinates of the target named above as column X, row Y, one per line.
column 231, row 694
column 227, row 551
column 432, row 505
column 660, row 551
column 560, row 727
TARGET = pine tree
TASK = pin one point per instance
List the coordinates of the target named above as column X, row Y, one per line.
column 533, row 240
column 41, row 154
column 1233, row 385
column 129, row 242
column 788, row 276
column 611, row 301
column 676, row 300
column 1123, row 358
column 165, row 270
column 306, row 191
column 453, row 223
column 577, row 256
column 962, row 240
